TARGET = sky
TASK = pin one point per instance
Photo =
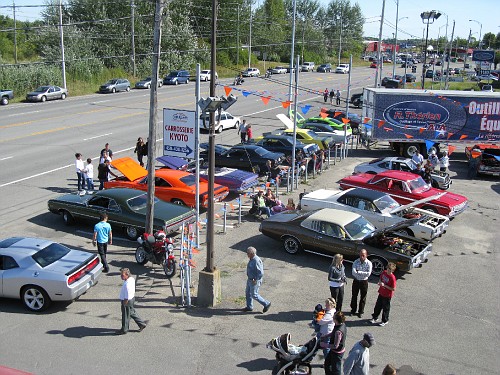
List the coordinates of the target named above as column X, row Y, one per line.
column 484, row 11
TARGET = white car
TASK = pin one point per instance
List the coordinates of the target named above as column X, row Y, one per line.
column 278, row 70
column 206, row 75
column 39, row 271
column 227, row 121
column 342, row 68
column 307, row 66
column 251, row 72
column 378, row 208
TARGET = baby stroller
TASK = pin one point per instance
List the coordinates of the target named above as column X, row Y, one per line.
column 291, row 359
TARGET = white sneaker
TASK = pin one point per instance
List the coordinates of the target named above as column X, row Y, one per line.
column 382, row 324
column 373, row 321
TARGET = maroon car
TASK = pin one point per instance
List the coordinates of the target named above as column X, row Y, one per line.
column 405, row 187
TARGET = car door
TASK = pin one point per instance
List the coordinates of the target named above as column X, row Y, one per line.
column 51, row 93
column 116, row 216
column 95, row 206
column 235, row 159
column 163, row 189
column 9, row 277
column 330, row 238
column 57, row 93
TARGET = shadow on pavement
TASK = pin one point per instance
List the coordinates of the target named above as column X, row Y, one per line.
column 259, row 364
column 82, row 331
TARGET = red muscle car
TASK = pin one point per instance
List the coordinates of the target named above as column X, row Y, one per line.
column 170, row 185
column 405, row 187
column 488, row 156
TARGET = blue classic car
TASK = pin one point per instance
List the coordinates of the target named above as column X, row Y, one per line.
column 236, row 180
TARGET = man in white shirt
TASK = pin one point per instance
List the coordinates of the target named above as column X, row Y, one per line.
column 361, row 271
column 417, row 157
column 127, row 299
column 79, row 171
column 89, row 174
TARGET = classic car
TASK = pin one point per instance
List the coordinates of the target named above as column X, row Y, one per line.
column 247, row 157
column 406, row 187
column 235, row 180
column 489, row 158
column 379, row 209
column 439, row 179
column 170, row 185
column 354, row 119
column 40, row 271
column 305, row 136
column 251, row 72
column 126, row 209
column 44, row 93
column 324, row 129
column 284, row 144
column 146, row 83
column 329, row 231
column 278, row 70
column 223, row 121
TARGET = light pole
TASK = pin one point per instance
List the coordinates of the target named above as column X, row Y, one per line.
column 340, row 36
column 396, row 41
column 427, row 18
column 480, row 32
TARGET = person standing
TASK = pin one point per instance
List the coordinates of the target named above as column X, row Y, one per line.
column 127, row 299
column 444, row 162
column 255, row 273
column 361, row 271
column 338, row 97
column 79, row 171
column 325, row 95
column 102, row 237
column 89, row 174
column 326, row 325
column 242, row 131
column 332, row 95
column 333, row 361
column 387, row 286
column 433, row 159
column 336, row 277
column 108, row 150
column 417, row 158
column 249, row 133
column 358, row 360
column 139, row 149
column 103, row 172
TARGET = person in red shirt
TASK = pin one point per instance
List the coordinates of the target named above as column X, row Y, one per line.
column 387, row 285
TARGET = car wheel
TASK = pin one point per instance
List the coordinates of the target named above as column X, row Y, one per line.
column 409, row 150
column 176, row 82
column 68, row 218
column 219, row 129
column 35, row 298
column 178, row 201
column 430, row 208
column 63, row 96
column 132, row 233
column 292, row 245
column 5, row 100
column 378, row 265
column 43, row 99
column 141, row 255
column 113, row 90
column 128, row 88
column 187, row 81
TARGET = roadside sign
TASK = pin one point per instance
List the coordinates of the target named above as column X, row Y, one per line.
column 179, row 130
column 483, row 55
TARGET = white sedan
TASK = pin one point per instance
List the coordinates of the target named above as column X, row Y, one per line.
column 39, row 271
column 206, row 75
column 378, row 208
column 226, row 121
column 278, row 70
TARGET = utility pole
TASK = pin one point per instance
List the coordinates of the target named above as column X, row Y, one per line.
column 132, row 28
column 395, row 41
column 292, row 51
column 61, row 34
column 237, row 39
column 467, row 49
column 15, row 30
column 379, row 62
column 449, row 57
column 153, row 108
column 250, row 39
column 340, row 37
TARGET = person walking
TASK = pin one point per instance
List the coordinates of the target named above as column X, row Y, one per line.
column 139, row 150
column 337, row 95
column 358, row 360
column 89, row 174
column 361, row 271
column 255, row 273
column 242, row 131
column 79, row 171
column 336, row 278
column 249, row 133
column 444, row 162
column 387, row 286
column 332, row 95
column 103, row 172
column 102, row 237
column 333, row 361
column 325, row 95
column 127, row 300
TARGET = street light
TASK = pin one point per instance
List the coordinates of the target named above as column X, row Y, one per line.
column 480, row 32
column 427, row 18
column 396, row 43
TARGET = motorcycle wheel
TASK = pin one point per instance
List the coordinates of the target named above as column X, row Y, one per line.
column 169, row 267
column 141, row 255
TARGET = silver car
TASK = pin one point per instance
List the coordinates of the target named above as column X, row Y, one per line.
column 114, row 85
column 146, row 83
column 44, row 93
column 40, row 271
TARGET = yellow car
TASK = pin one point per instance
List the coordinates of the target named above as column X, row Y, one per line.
column 305, row 136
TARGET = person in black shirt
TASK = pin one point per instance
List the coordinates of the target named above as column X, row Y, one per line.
column 103, row 172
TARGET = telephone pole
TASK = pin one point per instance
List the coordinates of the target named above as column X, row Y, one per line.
column 132, row 28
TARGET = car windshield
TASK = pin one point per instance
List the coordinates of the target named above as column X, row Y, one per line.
column 50, row 254
column 386, row 203
column 205, row 72
column 260, row 151
column 42, row 89
column 189, row 180
column 418, row 184
column 173, row 74
column 111, row 82
column 147, row 79
column 139, row 202
column 359, row 228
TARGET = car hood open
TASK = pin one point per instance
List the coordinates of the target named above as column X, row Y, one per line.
column 416, row 203
column 129, row 168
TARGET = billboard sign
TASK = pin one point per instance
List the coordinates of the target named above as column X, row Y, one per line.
column 179, row 131
column 483, row 55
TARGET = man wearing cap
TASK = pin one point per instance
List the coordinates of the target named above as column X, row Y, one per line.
column 358, row 360
column 433, row 159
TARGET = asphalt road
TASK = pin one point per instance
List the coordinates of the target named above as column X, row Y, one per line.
column 445, row 315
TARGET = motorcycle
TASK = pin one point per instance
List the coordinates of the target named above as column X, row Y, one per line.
column 292, row 359
column 268, row 74
column 157, row 248
column 238, row 81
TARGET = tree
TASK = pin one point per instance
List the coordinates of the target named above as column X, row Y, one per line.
column 489, row 40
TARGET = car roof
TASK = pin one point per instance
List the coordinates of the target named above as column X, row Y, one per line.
column 341, row 217
column 364, row 193
column 398, row 174
column 26, row 246
column 119, row 193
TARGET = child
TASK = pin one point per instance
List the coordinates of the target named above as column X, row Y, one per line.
column 290, row 205
column 318, row 314
column 88, row 172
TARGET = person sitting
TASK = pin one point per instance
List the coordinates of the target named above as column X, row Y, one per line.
column 260, row 203
column 290, row 205
column 270, row 198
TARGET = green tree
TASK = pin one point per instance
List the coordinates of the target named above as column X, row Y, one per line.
column 489, row 40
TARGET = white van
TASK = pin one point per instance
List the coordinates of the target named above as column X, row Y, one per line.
column 307, row 66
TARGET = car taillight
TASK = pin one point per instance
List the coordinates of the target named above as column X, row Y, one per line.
column 81, row 273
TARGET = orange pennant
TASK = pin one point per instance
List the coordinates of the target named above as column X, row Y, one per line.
column 451, row 149
column 421, row 130
column 408, row 136
column 449, row 135
column 286, row 104
column 323, row 115
column 387, row 129
column 463, row 136
column 227, row 90
column 231, row 206
column 336, row 114
column 366, row 120
column 192, row 263
column 217, row 216
column 475, row 154
column 266, row 99
column 381, row 123
column 346, row 120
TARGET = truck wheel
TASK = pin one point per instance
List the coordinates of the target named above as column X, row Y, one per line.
column 410, row 149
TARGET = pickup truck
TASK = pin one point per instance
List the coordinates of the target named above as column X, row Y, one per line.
column 5, row 96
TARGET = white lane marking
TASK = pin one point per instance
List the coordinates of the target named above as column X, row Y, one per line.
column 97, row 136
column 8, row 157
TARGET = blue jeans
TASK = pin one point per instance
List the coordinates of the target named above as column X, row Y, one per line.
column 81, row 180
column 265, row 210
column 90, row 183
column 252, row 293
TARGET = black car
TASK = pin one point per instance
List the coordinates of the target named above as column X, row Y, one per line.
column 393, row 84
column 324, row 68
column 429, row 73
column 251, row 158
column 284, row 144
column 357, row 100
column 410, row 77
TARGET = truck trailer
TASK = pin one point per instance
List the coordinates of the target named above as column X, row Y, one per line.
column 413, row 120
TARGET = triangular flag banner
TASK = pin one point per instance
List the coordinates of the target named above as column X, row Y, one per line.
column 232, row 206
column 380, row 123
column 387, row 129
column 451, row 149
column 421, row 130
column 463, row 136
column 305, row 108
column 285, row 104
column 194, row 250
column 323, row 115
column 437, row 133
column 368, row 127
column 265, row 99
column 428, row 144
column 449, row 135
column 475, row 154
column 246, row 93
column 408, row 136
column 336, row 114
column 322, row 110
column 227, row 90
column 346, row 120
column 366, row 120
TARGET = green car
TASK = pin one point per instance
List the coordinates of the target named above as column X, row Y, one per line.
column 326, row 127
column 126, row 209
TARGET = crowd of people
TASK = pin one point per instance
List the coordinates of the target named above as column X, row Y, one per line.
column 433, row 163
column 245, row 132
column 85, row 173
column 332, row 94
